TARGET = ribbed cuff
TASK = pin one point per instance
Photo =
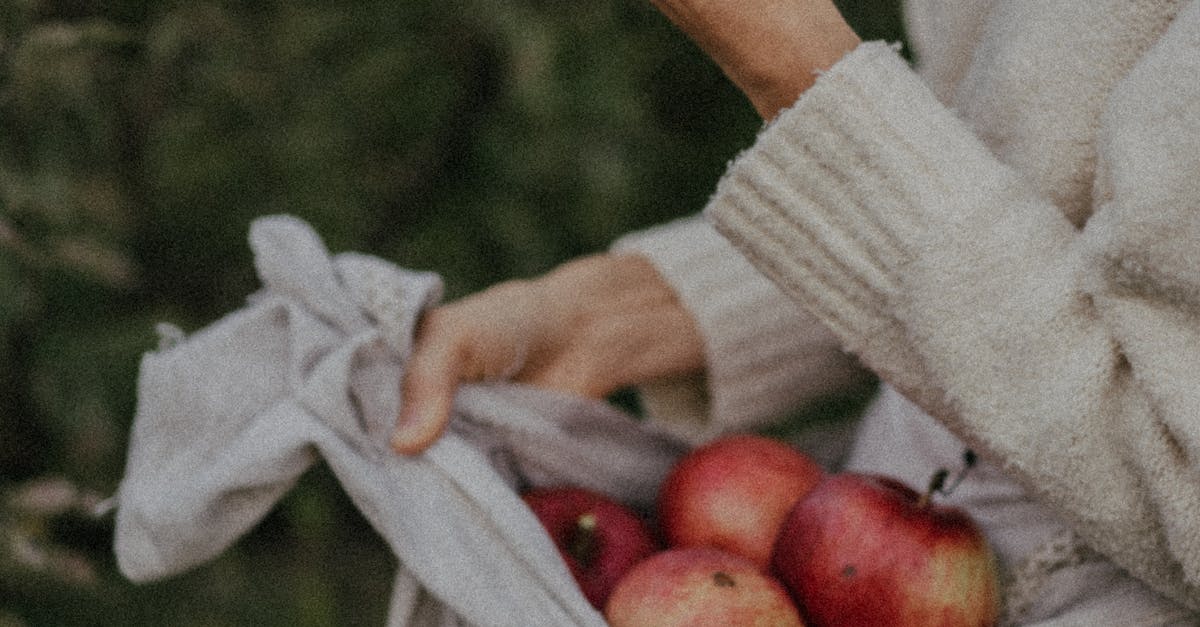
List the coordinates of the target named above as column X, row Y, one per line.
column 765, row 355
column 859, row 180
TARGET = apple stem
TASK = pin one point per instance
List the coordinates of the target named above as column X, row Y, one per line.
column 937, row 483
column 583, row 541
column 969, row 460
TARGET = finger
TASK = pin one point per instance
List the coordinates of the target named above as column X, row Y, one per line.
column 427, row 396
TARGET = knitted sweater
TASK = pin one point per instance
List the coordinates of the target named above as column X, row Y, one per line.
column 1007, row 236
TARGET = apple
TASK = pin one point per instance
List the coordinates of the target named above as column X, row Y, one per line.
column 869, row 550
column 733, row 494
column 599, row 538
column 699, row 586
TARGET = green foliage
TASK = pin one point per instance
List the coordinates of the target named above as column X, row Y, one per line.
column 482, row 139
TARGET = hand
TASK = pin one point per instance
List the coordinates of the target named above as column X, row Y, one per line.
column 771, row 49
column 590, row 327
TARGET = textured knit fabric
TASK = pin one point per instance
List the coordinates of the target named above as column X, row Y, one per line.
column 765, row 355
column 1012, row 241
column 230, row 417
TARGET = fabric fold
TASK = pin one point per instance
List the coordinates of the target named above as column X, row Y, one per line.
column 230, row 417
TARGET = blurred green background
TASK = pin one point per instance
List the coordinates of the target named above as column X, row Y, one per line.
column 481, row 139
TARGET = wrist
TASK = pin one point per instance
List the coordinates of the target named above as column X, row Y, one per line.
column 774, row 85
column 771, row 49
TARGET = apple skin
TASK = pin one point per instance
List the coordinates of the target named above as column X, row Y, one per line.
column 599, row 538
column 865, row 550
column 699, row 587
column 733, row 494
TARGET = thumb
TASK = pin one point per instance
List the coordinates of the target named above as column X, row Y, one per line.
column 427, row 396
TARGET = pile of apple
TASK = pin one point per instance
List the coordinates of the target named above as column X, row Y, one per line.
column 750, row 531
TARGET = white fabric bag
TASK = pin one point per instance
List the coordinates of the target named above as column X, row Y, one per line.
column 230, row 417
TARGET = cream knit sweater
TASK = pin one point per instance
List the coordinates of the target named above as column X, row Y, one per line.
column 1010, row 237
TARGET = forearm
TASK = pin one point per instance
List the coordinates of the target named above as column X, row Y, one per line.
column 771, row 49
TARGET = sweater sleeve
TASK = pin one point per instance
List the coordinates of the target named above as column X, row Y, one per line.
column 764, row 355
column 1068, row 356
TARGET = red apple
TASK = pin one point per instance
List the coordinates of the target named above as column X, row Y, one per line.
column 599, row 538
column 869, row 550
column 697, row 587
column 733, row 494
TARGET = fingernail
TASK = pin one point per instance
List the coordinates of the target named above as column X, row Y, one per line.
column 402, row 444
column 419, row 425
column 416, row 430
column 408, row 428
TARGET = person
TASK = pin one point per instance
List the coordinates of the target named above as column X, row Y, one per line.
column 1005, row 235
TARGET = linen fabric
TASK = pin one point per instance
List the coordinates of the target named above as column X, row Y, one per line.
column 230, row 417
